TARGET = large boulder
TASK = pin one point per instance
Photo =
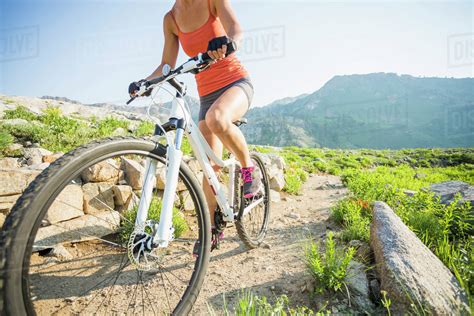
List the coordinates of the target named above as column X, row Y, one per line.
column 104, row 171
column 409, row 271
column 15, row 181
column 88, row 227
column 447, row 191
column 134, row 173
column 275, row 166
column 98, row 197
column 67, row 205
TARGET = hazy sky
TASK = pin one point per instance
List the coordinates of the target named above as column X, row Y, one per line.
column 91, row 50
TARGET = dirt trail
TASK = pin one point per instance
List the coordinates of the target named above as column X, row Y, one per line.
column 276, row 269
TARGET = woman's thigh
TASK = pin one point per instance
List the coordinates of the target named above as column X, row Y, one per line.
column 231, row 105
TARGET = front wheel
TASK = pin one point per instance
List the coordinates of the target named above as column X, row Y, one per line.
column 65, row 246
column 252, row 224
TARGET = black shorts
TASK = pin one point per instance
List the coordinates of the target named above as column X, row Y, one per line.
column 208, row 100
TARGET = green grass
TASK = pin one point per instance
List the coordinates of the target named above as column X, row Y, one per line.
column 443, row 228
column 328, row 267
column 20, row 112
column 250, row 304
column 179, row 223
column 5, row 140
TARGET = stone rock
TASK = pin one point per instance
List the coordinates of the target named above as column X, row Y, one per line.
column 277, row 182
column 87, row 227
column 40, row 166
column 14, row 148
column 104, row 171
column 68, row 204
column 362, row 249
column 98, row 197
column 15, row 181
column 409, row 192
column 9, row 163
column 448, row 189
column 374, row 286
column 121, row 194
column 53, row 157
column 119, row 132
column 419, row 176
column 15, row 122
column 132, row 202
column 161, row 180
column 134, row 173
column 275, row 196
column 60, row 252
column 194, row 165
column 186, row 201
column 293, row 215
column 358, row 284
column 7, row 202
column 34, row 156
column 409, row 271
column 2, row 220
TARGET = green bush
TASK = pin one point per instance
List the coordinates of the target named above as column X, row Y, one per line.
column 250, row 304
column 20, row 112
column 294, row 179
column 328, row 268
column 5, row 140
column 179, row 223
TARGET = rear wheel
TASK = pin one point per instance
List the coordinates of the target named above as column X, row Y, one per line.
column 69, row 244
column 252, row 226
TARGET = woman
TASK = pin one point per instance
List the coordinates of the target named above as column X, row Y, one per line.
column 224, row 88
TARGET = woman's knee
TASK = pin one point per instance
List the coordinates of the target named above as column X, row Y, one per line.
column 217, row 121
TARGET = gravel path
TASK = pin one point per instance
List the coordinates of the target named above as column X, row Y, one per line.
column 276, row 268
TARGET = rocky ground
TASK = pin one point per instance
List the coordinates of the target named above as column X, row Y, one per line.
column 277, row 268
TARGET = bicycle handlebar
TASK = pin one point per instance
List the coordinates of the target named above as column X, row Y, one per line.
column 194, row 63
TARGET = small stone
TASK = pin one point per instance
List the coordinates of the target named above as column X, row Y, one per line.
column 275, row 196
column 61, row 253
column 293, row 215
column 265, row 245
column 53, row 157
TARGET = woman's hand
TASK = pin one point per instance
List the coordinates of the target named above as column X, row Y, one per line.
column 217, row 47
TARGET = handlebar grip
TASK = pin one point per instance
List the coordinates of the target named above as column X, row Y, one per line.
column 130, row 101
column 231, row 48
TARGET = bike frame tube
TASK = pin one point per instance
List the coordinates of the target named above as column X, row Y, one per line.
column 204, row 155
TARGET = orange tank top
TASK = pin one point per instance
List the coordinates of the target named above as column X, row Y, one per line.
column 220, row 73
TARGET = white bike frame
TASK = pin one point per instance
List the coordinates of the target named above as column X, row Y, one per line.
column 204, row 154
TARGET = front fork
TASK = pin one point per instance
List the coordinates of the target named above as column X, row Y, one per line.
column 165, row 230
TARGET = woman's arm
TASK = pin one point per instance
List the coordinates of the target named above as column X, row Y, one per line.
column 171, row 47
column 228, row 19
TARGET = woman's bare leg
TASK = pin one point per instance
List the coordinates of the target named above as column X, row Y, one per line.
column 228, row 108
column 216, row 146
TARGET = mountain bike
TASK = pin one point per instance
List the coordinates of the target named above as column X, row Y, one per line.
column 121, row 225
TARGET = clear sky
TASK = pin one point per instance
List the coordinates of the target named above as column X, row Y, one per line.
column 91, row 50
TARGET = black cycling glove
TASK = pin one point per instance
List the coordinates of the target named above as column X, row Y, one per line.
column 135, row 86
column 218, row 42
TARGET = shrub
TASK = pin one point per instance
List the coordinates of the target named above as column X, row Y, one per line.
column 328, row 268
column 294, row 178
column 5, row 140
column 20, row 112
column 179, row 223
column 250, row 304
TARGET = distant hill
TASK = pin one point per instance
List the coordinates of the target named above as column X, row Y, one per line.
column 379, row 110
